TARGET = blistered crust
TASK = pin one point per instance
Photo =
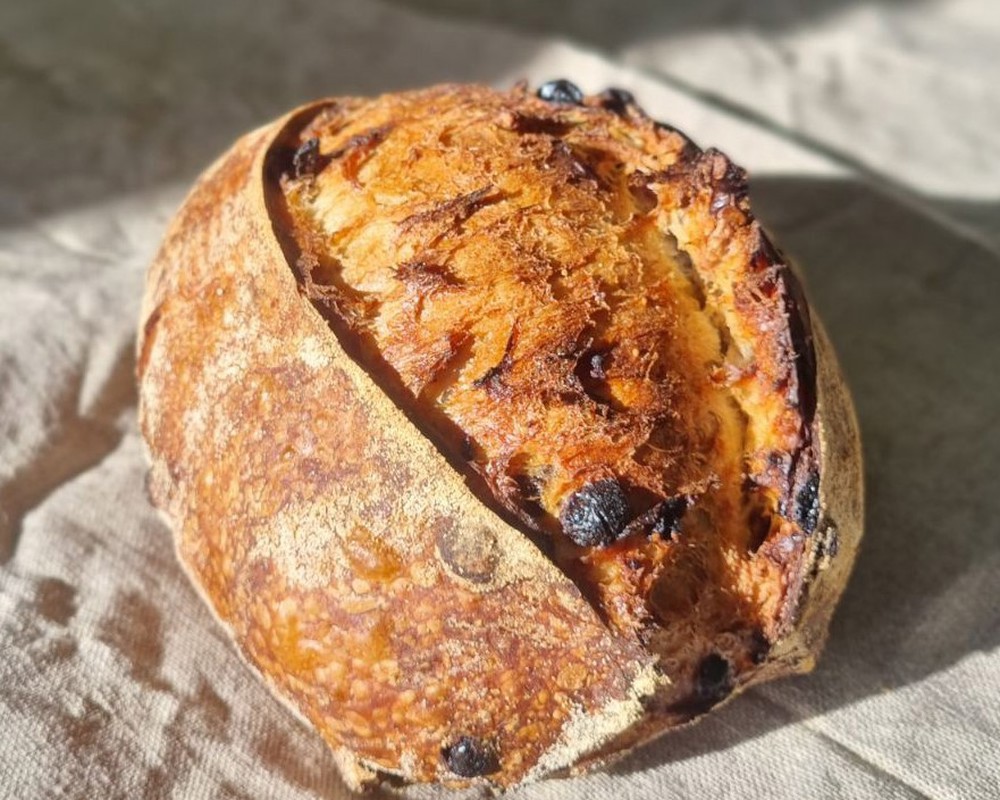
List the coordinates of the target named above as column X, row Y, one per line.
column 416, row 609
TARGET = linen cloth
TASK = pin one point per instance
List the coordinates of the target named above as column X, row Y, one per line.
column 114, row 679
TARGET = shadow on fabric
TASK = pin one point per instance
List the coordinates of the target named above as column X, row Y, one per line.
column 610, row 24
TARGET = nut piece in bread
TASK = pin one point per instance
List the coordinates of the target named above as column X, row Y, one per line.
column 494, row 429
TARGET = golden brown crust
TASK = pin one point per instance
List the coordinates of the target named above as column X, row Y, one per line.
column 317, row 479
column 311, row 512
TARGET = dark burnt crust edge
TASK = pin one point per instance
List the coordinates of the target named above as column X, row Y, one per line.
column 800, row 500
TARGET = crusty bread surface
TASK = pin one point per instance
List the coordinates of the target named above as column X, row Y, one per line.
column 494, row 428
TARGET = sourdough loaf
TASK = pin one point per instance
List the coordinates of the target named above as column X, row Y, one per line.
column 494, row 428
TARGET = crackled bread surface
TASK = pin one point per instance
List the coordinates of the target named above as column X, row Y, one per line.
column 494, row 429
column 575, row 301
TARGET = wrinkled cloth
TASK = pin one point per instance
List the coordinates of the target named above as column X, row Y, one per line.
column 115, row 680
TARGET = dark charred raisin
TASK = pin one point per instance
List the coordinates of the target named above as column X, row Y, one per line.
column 713, row 682
column 471, row 552
column 617, row 100
column 759, row 647
column 306, row 158
column 469, row 757
column 714, row 679
column 595, row 515
column 807, row 504
column 561, row 91
column 669, row 514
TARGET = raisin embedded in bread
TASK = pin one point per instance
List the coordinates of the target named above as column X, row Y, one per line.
column 523, row 446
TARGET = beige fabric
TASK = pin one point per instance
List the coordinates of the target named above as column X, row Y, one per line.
column 115, row 681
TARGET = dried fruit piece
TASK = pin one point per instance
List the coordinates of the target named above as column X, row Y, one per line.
column 596, row 514
column 561, row 91
column 470, row 757
column 306, row 157
column 714, row 679
column 615, row 99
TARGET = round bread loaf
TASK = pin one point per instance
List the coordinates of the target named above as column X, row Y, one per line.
column 494, row 429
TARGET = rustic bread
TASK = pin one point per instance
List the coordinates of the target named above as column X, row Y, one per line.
column 494, row 429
